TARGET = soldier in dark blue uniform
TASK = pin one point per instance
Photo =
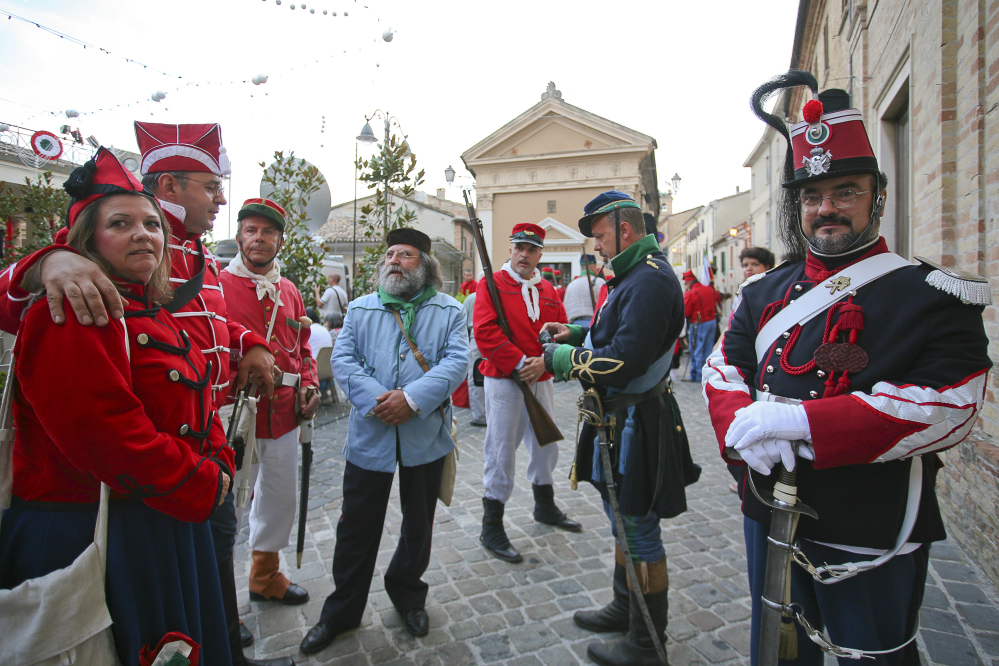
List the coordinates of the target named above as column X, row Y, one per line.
column 872, row 365
column 626, row 356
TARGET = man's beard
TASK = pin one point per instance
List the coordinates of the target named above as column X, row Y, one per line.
column 835, row 243
column 402, row 283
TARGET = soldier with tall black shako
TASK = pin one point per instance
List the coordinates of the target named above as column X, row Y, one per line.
column 852, row 367
column 625, row 357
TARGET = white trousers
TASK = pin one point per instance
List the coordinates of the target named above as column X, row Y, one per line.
column 275, row 491
column 506, row 415
column 476, row 394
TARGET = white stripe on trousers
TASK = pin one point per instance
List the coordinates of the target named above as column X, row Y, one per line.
column 275, row 491
column 508, row 425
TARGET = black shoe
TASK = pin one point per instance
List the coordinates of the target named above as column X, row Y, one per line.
column 277, row 661
column 416, row 621
column 245, row 636
column 319, row 637
column 546, row 512
column 480, row 424
column 613, row 616
column 293, row 596
column 493, row 535
column 637, row 648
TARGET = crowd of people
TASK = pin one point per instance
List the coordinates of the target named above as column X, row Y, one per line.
column 202, row 379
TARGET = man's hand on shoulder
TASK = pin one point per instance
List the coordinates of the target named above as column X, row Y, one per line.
column 393, row 408
column 68, row 275
column 259, row 361
column 532, row 369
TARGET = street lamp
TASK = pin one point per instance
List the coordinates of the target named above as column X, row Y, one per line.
column 449, row 174
column 676, row 182
column 366, row 137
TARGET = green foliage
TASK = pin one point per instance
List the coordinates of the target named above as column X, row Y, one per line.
column 293, row 182
column 44, row 206
column 392, row 174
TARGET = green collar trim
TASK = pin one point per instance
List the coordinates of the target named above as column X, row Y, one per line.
column 637, row 251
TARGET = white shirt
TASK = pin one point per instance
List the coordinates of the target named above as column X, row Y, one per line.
column 577, row 302
column 334, row 299
column 319, row 337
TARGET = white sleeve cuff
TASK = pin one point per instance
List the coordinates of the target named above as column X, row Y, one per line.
column 412, row 404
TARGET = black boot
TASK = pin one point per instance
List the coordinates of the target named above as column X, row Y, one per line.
column 493, row 535
column 546, row 512
column 613, row 616
column 638, row 647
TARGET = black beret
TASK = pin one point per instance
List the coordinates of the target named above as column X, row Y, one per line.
column 406, row 236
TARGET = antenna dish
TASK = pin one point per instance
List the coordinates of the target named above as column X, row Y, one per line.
column 317, row 206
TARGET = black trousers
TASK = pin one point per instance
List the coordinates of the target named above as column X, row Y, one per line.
column 359, row 531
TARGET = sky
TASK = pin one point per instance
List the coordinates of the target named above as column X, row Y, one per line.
column 453, row 73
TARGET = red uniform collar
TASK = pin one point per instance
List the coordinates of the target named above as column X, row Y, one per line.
column 818, row 269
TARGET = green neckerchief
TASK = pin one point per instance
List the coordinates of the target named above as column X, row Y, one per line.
column 637, row 251
column 408, row 308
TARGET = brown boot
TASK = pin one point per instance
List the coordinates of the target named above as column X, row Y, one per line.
column 267, row 583
column 638, row 647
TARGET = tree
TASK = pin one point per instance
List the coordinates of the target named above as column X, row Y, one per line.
column 391, row 174
column 293, row 181
column 43, row 205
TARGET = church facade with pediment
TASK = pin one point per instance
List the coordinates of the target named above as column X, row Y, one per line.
column 546, row 164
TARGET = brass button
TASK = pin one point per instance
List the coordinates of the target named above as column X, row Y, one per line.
column 679, row 429
column 797, row 287
column 779, row 351
column 174, row 376
column 787, row 334
column 821, row 373
column 770, row 368
column 814, row 394
column 142, row 339
column 766, row 388
column 184, row 428
column 402, row 357
column 267, row 308
column 273, row 337
column 790, row 301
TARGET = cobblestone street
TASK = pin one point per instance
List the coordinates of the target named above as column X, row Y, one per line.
column 484, row 611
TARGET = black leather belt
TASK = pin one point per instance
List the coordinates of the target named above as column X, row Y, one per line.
column 621, row 401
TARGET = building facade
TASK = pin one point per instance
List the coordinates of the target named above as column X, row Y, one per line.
column 546, row 164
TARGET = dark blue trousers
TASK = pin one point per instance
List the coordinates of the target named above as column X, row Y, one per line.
column 359, row 531
column 874, row 610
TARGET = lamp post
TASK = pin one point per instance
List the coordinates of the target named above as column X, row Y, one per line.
column 366, row 137
column 369, row 137
column 675, row 180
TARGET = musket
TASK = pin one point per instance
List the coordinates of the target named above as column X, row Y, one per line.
column 778, row 637
column 305, row 433
column 544, row 427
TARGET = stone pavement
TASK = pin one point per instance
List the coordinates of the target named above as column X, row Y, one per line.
column 484, row 611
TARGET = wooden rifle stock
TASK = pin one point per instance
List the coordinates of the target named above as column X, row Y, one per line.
column 544, row 427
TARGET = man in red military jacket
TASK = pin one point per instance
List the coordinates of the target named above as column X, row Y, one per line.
column 270, row 305
column 699, row 307
column 182, row 166
column 529, row 302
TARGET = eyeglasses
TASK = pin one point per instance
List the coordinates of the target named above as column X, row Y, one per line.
column 213, row 188
column 840, row 199
column 402, row 255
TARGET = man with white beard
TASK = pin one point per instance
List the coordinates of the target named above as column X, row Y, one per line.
column 400, row 415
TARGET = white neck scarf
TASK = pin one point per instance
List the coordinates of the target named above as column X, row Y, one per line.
column 530, row 293
column 266, row 284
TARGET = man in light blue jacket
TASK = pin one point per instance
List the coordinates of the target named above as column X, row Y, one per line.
column 400, row 415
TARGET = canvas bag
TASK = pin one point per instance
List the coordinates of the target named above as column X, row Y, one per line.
column 450, row 470
column 61, row 618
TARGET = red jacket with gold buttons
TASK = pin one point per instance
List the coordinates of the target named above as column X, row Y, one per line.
column 290, row 346
column 86, row 412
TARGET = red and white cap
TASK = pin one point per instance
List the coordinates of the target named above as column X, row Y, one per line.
column 181, row 148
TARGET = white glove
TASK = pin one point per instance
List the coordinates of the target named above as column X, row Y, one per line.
column 767, row 420
column 764, row 454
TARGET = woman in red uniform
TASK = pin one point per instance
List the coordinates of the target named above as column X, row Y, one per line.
column 127, row 404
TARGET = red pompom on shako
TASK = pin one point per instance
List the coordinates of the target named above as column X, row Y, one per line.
column 812, row 111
